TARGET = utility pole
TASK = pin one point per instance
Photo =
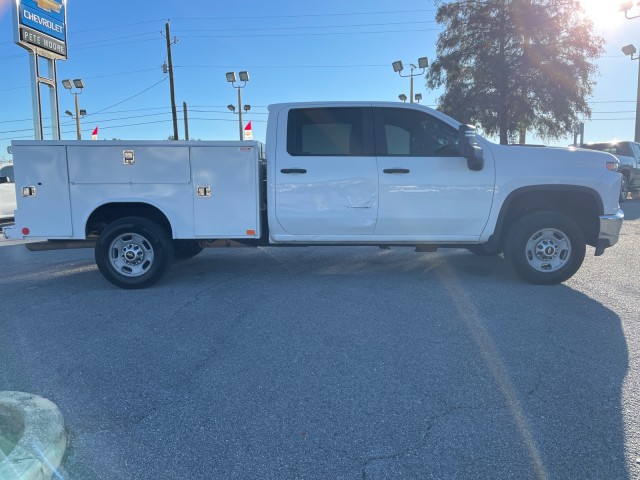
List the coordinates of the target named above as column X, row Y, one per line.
column 186, row 121
column 170, row 71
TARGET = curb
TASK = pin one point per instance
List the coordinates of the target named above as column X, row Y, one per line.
column 38, row 426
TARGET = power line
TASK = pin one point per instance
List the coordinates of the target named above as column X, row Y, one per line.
column 308, row 15
column 308, row 27
column 127, row 99
column 313, row 34
column 284, row 66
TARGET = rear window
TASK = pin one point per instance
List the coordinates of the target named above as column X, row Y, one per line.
column 325, row 132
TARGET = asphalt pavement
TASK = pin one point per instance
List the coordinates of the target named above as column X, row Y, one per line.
column 325, row 362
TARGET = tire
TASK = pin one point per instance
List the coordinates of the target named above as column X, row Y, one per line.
column 133, row 252
column 545, row 248
column 624, row 188
column 185, row 249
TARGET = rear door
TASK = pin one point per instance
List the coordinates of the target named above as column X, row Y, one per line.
column 327, row 177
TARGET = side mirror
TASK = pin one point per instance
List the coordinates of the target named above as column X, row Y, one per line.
column 469, row 149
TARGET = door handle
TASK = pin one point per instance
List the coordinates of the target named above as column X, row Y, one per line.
column 293, row 170
column 396, row 170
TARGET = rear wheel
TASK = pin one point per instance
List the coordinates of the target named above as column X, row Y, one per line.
column 545, row 247
column 133, row 252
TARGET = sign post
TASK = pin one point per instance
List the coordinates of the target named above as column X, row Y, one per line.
column 40, row 26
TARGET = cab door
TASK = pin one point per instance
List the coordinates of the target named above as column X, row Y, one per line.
column 326, row 176
column 426, row 189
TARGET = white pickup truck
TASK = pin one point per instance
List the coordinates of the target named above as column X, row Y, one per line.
column 334, row 174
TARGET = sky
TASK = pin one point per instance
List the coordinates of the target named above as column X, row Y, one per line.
column 293, row 51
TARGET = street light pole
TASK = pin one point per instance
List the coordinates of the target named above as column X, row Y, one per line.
column 240, row 114
column 78, row 132
column 411, row 83
column 637, row 132
column 625, row 6
column 423, row 63
column 244, row 78
column 78, row 84
column 630, row 51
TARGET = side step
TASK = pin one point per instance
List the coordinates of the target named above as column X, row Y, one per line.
column 59, row 245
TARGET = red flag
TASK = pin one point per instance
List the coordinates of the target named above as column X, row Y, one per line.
column 248, row 134
column 94, row 135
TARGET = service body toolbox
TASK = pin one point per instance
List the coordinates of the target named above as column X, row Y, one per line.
column 205, row 189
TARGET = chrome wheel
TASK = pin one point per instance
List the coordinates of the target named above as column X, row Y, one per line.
column 548, row 250
column 131, row 254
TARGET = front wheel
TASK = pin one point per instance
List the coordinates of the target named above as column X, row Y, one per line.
column 545, row 248
column 133, row 252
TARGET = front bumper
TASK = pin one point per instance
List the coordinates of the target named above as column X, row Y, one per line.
column 610, row 226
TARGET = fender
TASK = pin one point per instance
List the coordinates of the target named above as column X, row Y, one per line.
column 493, row 244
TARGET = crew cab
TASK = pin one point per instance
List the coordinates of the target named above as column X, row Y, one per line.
column 334, row 173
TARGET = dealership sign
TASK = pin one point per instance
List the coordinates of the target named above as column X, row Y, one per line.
column 41, row 25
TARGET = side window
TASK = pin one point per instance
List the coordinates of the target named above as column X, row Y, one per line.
column 636, row 150
column 335, row 131
column 409, row 132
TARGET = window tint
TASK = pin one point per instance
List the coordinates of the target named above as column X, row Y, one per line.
column 325, row 131
column 415, row 133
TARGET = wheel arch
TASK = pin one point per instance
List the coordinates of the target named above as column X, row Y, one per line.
column 582, row 204
column 110, row 212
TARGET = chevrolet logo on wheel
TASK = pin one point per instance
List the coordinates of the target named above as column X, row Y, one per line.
column 49, row 5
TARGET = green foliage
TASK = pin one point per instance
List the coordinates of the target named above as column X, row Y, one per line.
column 509, row 65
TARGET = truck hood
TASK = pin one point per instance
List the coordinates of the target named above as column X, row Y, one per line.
column 535, row 153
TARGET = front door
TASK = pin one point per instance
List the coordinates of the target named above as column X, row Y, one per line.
column 426, row 189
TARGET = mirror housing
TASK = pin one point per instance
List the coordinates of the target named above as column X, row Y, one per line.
column 469, row 148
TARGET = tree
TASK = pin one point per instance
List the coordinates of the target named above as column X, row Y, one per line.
column 515, row 65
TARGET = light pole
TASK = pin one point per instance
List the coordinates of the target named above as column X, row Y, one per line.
column 627, row 5
column 423, row 63
column 244, row 78
column 630, row 50
column 82, row 112
column 79, row 85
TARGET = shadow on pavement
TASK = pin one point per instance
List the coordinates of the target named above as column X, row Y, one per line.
column 322, row 363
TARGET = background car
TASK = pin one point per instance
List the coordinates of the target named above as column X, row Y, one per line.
column 7, row 192
column 628, row 153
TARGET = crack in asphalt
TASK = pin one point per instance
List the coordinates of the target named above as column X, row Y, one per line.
column 412, row 450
